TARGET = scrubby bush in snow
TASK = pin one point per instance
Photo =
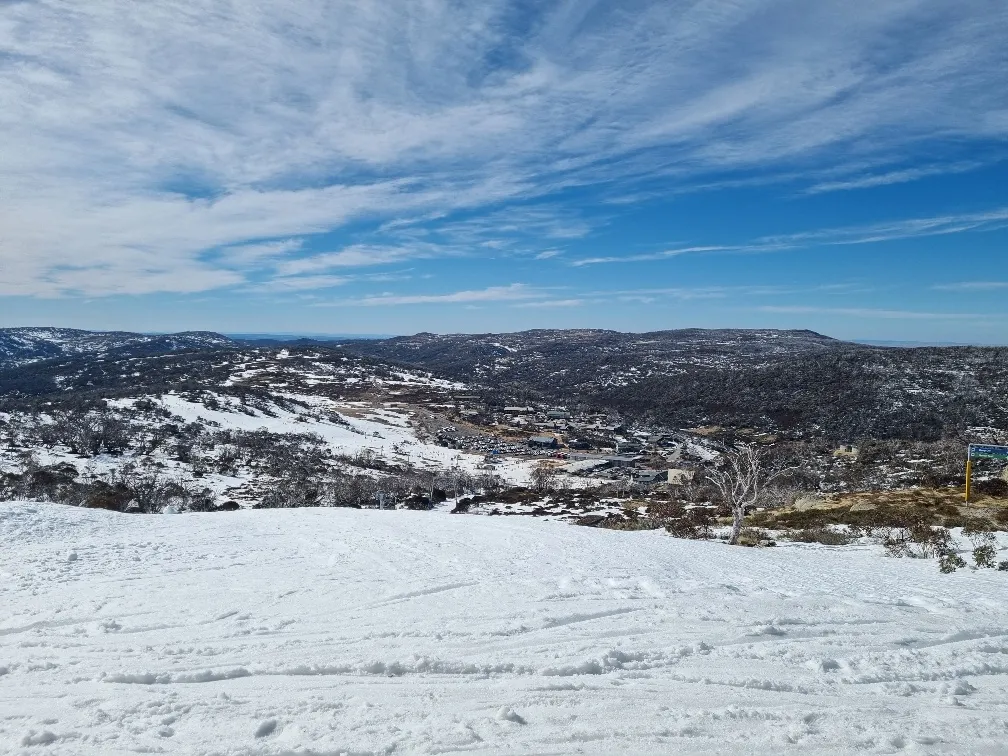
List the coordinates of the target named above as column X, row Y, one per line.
column 984, row 543
column 918, row 539
column 950, row 562
column 680, row 521
column 821, row 534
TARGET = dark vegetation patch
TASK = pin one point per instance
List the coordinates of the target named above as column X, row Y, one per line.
column 944, row 508
column 796, row 382
column 822, row 535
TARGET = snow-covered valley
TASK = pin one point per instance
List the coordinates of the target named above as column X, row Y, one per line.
column 326, row 631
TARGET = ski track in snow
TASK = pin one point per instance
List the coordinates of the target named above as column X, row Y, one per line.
column 332, row 631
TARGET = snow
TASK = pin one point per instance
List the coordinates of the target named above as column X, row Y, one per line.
column 333, row 631
column 386, row 436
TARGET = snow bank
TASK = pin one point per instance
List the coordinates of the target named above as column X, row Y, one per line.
column 331, row 631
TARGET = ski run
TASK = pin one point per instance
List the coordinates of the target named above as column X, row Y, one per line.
column 341, row 631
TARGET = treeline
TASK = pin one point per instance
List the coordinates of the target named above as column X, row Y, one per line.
column 127, row 488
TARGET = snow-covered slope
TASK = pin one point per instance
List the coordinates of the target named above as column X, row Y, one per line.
column 343, row 631
column 383, row 432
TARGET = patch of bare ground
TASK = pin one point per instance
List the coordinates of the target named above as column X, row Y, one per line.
column 936, row 506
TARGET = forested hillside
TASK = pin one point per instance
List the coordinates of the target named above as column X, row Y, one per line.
column 793, row 381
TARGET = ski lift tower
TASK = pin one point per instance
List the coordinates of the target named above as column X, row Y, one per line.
column 981, row 451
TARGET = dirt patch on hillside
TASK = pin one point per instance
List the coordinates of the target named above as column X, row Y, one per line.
column 943, row 506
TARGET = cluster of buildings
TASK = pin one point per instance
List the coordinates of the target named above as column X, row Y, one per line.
column 589, row 444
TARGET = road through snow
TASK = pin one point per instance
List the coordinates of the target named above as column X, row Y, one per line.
column 332, row 631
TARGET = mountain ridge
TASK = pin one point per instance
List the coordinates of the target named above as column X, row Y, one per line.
column 21, row 345
column 799, row 383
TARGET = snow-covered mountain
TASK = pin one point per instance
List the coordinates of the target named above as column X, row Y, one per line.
column 19, row 346
column 798, row 383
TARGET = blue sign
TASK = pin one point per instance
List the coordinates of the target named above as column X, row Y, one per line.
column 983, row 451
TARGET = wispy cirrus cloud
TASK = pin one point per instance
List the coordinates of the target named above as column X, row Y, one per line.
column 664, row 254
column 303, row 283
column 908, row 228
column 554, row 303
column 356, row 256
column 147, row 144
column 888, row 178
column 965, row 286
column 512, row 293
column 548, row 254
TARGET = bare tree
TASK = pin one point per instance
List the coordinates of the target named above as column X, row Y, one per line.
column 621, row 487
column 544, row 478
column 430, row 479
column 742, row 480
column 489, row 483
column 459, row 480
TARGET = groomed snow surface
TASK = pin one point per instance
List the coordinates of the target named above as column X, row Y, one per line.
column 334, row 631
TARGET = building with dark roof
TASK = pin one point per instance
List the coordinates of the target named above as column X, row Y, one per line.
column 544, row 442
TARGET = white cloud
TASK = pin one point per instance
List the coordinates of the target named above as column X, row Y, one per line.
column 511, row 293
column 972, row 286
column 553, row 303
column 890, row 177
column 249, row 255
column 304, row 283
column 356, row 256
column 140, row 138
column 648, row 256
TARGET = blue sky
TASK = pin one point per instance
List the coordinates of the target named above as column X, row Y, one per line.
column 399, row 166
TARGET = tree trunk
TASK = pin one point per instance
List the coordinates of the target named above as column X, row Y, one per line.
column 736, row 528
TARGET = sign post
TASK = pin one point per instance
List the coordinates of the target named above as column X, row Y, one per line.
column 981, row 451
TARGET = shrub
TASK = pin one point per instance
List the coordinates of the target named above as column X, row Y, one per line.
column 859, row 531
column 201, row 500
column 937, row 542
column 897, row 545
column 106, row 496
column 755, row 537
column 918, row 539
column 984, row 543
column 996, row 488
column 621, row 522
column 950, row 562
column 290, row 493
column 823, row 535
column 420, row 503
column 983, row 556
column 680, row 522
